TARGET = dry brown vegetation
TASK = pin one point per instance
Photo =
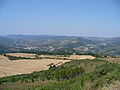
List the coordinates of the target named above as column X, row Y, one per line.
column 8, row 68
column 23, row 66
column 104, row 73
column 22, row 55
column 74, row 57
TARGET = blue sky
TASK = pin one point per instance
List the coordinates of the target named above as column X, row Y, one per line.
column 60, row 17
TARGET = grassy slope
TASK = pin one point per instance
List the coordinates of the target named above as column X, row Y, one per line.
column 98, row 74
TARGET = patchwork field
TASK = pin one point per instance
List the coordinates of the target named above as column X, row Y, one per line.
column 73, row 57
column 77, row 74
column 35, row 63
column 8, row 68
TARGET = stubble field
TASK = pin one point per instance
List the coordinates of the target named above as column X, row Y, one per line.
column 25, row 66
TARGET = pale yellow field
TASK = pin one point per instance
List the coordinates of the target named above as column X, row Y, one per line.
column 74, row 57
column 78, row 57
column 22, row 55
column 8, row 68
column 24, row 66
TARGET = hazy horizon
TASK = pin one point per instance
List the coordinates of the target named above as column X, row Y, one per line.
column 60, row 35
column 87, row 18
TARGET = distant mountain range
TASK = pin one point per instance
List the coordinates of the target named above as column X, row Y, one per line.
column 110, row 46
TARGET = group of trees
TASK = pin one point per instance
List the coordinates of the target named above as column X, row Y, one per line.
column 47, row 52
column 66, row 53
column 59, row 52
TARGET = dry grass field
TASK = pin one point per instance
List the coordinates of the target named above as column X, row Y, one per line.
column 74, row 57
column 22, row 55
column 8, row 68
column 77, row 57
column 24, row 66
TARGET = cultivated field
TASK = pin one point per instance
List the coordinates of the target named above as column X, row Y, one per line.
column 8, row 68
column 99, row 70
column 73, row 57
column 22, row 55
column 23, row 66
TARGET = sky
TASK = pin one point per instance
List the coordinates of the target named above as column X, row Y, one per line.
column 98, row 18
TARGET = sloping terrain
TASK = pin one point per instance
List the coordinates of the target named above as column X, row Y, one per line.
column 74, row 75
column 22, row 55
column 49, row 43
column 8, row 68
column 35, row 56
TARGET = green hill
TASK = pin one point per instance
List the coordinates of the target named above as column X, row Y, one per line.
column 74, row 75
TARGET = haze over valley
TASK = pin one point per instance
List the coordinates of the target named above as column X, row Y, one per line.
column 59, row 44
column 54, row 43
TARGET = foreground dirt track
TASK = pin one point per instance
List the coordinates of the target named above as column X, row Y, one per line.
column 8, row 68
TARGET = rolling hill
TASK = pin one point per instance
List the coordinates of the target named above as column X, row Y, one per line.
column 51, row 43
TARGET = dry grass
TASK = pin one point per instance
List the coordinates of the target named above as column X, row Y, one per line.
column 78, row 57
column 22, row 55
column 113, row 86
column 8, row 68
column 74, row 57
column 23, row 66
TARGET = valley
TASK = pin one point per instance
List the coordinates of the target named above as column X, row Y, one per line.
column 59, row 63
column 71, row 44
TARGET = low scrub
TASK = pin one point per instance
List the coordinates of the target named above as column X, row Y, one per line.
column 74, row 75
